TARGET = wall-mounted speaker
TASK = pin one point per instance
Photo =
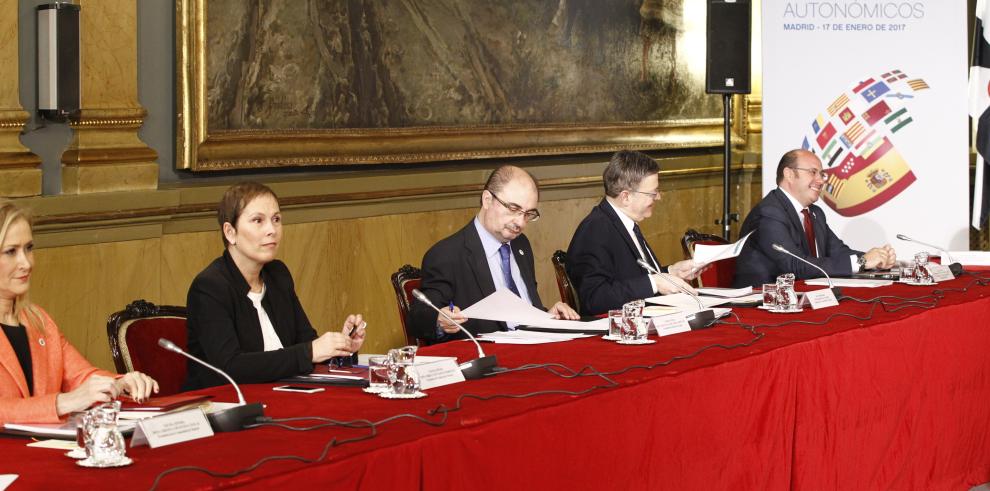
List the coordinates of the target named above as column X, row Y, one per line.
column 58, row 61
column 728, row 48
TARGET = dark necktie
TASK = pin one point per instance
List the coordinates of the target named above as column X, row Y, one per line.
column 809, row 232
column 645, row 249
column 504, row 252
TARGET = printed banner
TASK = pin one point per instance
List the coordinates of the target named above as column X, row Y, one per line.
column 877, row 89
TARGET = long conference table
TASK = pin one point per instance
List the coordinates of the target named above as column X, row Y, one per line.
column 859, row 396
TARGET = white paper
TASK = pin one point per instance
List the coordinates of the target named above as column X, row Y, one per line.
column 55, row 444
column 172, row 428
column 821, row 298
column 528, row 337
column 971, row 258
column 850, row 282
column 6, row 480
column 940, row 272
column 686, row 302
column 704, row 253
column 437, row 373
column 505, row 306
column 726, row 292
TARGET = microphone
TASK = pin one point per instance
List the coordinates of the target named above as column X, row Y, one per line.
column 701, row 319
column 232, row 419
column 477, row 368
column 835, row 290
column 955, row 267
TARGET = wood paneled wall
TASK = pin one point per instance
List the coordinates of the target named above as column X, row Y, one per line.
column 340, row 266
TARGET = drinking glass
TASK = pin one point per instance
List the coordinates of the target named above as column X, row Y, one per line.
column 104, row 442
column 922, row 274
column 615, row 324
column 633, row 327
column 770, row 295
column 403, row 378
column 787, row 299
column 378, row 374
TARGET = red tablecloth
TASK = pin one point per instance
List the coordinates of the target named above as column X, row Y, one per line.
column 899, row 401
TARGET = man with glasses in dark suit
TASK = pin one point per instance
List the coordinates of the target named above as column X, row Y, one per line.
column 788, row 216
column 602, row 259
column 490, row 253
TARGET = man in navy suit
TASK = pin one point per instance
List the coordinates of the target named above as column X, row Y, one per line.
column 490, row 253
column 788, row 216
column 603, row 254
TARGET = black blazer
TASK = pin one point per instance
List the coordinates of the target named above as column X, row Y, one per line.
column 601, row 262
column 456, row 269
column 775, row 221
column 224, row 329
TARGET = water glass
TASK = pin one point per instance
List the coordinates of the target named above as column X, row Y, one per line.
column 770, row 295
column 403, row 378
column 907, row 273
column 103, row 440
column 922, row 274
column 405, row 354
column 614, row 324
column 787, row 299
column 378, row 374
column 633, row 327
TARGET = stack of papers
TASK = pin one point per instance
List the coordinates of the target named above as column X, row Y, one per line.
column 505, row 306
column 726, row 292
column 685, row 302
column 849, row 282
column 705, row 254
column 527, row 337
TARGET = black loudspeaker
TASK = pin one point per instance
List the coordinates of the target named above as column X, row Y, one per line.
column 58, row 62
column 728, row 52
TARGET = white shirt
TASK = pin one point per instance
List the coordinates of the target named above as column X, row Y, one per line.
column 628, row 223
column 272, row 342
column 491, row 246
column 799, row 208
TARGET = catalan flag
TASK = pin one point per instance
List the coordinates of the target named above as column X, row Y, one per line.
column 917, row 84
column 854, row 132
column 838, row 104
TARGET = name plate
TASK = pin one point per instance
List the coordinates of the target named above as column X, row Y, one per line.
column 821, row 298
column 940, row 272
column 438, row 373
column 666, row 325
column 171, row 428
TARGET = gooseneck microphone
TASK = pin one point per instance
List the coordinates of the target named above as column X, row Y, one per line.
column 232, row 419
column 473, row 369
column 835, row 290
column 701, row 319
column 955, row 267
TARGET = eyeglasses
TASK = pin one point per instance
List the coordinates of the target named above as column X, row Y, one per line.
column 652, row 195
column 530, row 215
column 814, row 172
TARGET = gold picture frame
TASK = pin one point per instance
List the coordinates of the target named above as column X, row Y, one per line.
column 202, row 149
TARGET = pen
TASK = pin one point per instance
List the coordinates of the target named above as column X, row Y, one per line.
column 451, row 306
column 354, row 329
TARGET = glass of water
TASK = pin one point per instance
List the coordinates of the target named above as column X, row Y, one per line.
column 378, row 374
column 770, row 295
column 787, row 300
column 633, row 327
column 403, row 378
column 104, row 442
column 615, row 324
column 922, row 275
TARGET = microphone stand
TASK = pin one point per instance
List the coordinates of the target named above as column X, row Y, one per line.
column 473, row 369
column 835, row 290
column 231, row 419
column 701, row 319
column 955, row 267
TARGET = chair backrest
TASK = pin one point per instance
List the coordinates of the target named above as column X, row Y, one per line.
column 720, row 273
column 134, row 333
column 404, row 281
column 567, row 293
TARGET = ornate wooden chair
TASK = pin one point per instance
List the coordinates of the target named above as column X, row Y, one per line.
column 720, row 273
column 404, row 281
column 133, row 334
column 567, row 293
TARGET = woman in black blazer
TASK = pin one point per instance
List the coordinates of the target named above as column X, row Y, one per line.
column 243, row 313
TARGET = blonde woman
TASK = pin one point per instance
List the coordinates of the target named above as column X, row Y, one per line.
column 42, row 377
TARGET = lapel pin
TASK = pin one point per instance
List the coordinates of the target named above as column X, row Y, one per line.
column 522, row 252
column 41, row 341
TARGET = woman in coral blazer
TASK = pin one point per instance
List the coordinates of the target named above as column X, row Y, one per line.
column 42, row 377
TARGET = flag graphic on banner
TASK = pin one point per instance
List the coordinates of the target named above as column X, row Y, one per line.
column 864, row 167
column 979, row 110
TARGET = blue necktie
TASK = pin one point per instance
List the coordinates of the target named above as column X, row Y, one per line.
column 504, row 252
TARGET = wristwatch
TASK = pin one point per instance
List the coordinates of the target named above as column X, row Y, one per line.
column 861, row 261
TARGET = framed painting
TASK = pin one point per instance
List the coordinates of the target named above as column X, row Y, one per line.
column 274, row 83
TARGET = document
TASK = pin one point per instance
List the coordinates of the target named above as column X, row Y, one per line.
column 686, row 302
column 726, row 292
column 849, row 282
column 528, row 337
column 704, row 253
column 505, row 306
column 6, row 480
